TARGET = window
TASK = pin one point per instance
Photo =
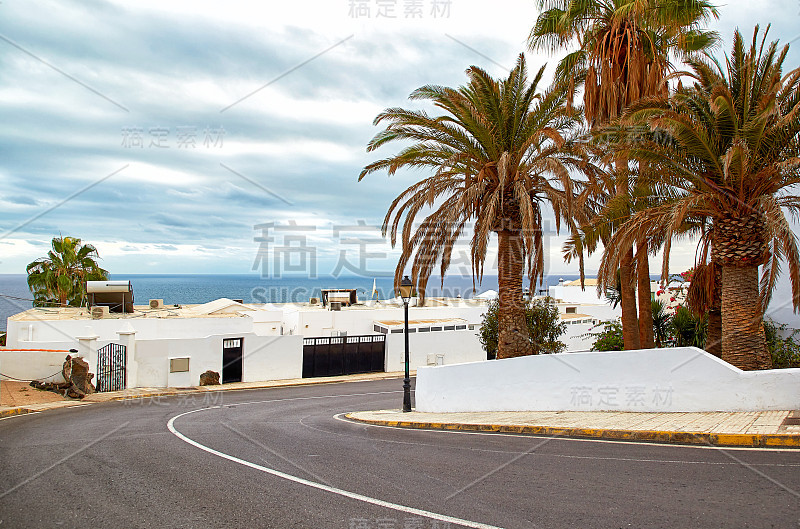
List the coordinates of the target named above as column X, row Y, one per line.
column 436, row 328
column 424, row 329
column 571, row 310
column 397, row 331
column 449, row 327
column 460, row 327
column 378, row 328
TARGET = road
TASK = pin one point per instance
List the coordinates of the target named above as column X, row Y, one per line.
column 285, row 458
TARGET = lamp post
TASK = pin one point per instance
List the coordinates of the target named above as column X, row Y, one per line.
column 405, row 293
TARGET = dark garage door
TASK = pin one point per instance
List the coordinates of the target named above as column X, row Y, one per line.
column 343, row 355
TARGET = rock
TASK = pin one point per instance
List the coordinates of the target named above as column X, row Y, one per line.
column 209, row 378
column 76, row 371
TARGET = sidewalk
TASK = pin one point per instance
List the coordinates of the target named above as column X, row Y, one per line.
column 18, row 398
column 745, row 429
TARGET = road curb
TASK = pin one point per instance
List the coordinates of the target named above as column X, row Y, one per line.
column 193, row 390
column 10, row 412
column 648, row 436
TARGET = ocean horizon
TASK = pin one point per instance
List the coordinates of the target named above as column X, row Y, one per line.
column 252, row 288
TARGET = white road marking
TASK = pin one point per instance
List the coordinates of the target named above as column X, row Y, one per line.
column 320, row 486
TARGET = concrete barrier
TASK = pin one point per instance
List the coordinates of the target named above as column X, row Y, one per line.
column 649, row 380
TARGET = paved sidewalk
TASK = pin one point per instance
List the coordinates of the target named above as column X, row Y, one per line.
column 752, row 429
column 37, row 400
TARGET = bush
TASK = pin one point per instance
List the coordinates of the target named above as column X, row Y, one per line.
column 544, row 327
column 785, row 352
column 610, row 338
column 689, row 330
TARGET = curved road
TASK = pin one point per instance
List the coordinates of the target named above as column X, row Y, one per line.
column 284, row 458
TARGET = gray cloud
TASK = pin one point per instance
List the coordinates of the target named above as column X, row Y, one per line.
column 302, row 138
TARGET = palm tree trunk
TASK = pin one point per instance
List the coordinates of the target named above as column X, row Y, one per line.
column 627, row 294
column 513, row 337
column 714, row 335
column 743, row 342
column 646, row 337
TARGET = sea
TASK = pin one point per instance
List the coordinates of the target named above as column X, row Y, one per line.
column 201, row 288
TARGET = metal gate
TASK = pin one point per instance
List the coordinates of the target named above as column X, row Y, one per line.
column 343, row 355
column 111, row 361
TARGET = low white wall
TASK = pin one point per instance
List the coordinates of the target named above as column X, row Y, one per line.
column 263, row 358
column 33, row 365
column 456, row 346
column 652, row 380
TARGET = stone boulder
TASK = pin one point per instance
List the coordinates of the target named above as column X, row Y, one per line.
column 209, row 378
column 76, row 373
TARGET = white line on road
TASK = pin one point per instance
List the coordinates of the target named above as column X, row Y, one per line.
column 320, row 486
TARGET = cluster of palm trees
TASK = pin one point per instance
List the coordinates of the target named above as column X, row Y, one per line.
column 644, row 161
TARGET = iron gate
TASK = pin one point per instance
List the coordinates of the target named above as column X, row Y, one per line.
column 343, row 355
column 111, row 361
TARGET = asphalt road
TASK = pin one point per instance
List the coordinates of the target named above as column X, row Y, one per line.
column 281, row 458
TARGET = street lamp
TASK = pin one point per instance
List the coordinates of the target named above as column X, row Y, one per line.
column 405, row 292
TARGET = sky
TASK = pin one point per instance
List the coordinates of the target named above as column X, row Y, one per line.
column 227, row 137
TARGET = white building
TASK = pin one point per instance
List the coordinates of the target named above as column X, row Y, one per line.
column 173, row 345
column 582, row 310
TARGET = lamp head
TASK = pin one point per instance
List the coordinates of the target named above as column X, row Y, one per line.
column 406, row 286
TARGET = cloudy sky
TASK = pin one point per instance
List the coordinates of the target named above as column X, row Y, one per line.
column 182, row 136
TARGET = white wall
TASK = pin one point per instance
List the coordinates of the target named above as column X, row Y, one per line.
column 33, row 365
column 653, row 380
column 317, row 322
column 456, row 346
column 264, row 358
column 574, row 294
column 577, row 337
column 106, row 329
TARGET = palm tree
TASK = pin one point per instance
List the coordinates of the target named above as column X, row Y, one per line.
column 623, row 54
column 729, row 160
column 61, row 276
column 499, row 152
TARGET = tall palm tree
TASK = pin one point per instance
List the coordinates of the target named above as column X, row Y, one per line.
column 499, row 153
column 623, row 54
column 730, row 159
column 61, row 276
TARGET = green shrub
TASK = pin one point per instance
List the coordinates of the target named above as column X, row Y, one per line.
column 785, row 352
column 610, row 338
column 544, row 326
column 687, row 329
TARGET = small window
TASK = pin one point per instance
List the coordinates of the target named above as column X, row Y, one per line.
column 397, row 331
column 378, row 328
column 436, row 328
column 178, row 365
column 572, row 310
column 473, row 326
column 460, row 327
column 411, row 330
column 449, row 327
column 424, row 329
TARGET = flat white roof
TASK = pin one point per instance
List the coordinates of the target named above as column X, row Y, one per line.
column 419, row 322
